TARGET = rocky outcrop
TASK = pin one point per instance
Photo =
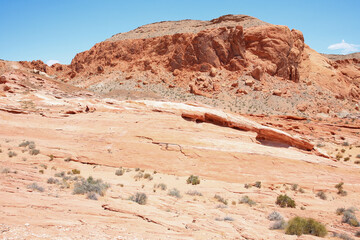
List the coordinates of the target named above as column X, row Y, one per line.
column 266, row 49
column 277, row 49
column 210, row 115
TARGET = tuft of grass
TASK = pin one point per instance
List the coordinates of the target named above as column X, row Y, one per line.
column 340, row 188
column 275, row 216
column 175, row 193
column 227, row 218
column 12, row 154
column 343, row 236
column 6, row 170
column 279, row 224
column 162, row 186
column 92, row 196
column 52, row 181
column 298, row 226
column 247, row 200
column 321, row 195
column 285, row 201
column 247, row 185
column 221, row 199
column 139, row 198
column 193, row 193
column 350, row 218
column 194, row 180
column 90, row 185
column 35, row 186
column 340, row 211
column 34, row 151
column 119, row 172
column 257, row 184
column 148, row 176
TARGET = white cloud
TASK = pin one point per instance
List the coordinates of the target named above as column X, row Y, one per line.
column 345, row 47
column 51, row 62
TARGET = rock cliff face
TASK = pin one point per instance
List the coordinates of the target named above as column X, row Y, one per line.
column 275, row 48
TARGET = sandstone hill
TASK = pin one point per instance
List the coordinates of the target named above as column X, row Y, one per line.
column 112, row 146
column 252, row 66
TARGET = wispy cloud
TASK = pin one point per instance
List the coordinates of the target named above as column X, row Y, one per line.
column 345, row 47
column 51, row 62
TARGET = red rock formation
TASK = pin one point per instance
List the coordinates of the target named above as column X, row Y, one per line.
column 278, row 48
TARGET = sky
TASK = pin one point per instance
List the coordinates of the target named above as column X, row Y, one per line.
column 55, row 31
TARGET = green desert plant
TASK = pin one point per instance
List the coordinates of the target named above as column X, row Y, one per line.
column 285, row 201
column 340, row 188
column 247, row 200
column 139, row 198
column 298, row 226
column 221, row 199
column 90, row 185
column 194, row 180
column 321, row 195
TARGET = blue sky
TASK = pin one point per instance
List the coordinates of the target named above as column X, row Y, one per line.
column 57, row 30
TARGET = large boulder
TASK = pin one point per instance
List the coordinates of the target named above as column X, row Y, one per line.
column 276, row 48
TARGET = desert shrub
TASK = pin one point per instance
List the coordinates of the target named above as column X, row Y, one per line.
column 60, row 174
column 194, row 193
column 12, row 154
column 301, row 190
column 35, row 186
column 340, row 188
column 321, row 195
column 247, row 185
column 75, row 171
column 68, row 159
column 139, row 198
column 34, row 151
column 357, row 162
column 350, row 218
column 257, row 184
column 298, row 226
column 340, row 211
column 137, row 169
column 275, row 216
column 279, row 224
column 51, row 157
column 194, row 180
column 358, row 156
column 6, row 170
column 221, row 199
column 52, row 181
column 138, row 176
column 148, row 176
column 26, row 143
column 285, row 201
column 175, row 193
column 119, row 172
column 227, row 218
column 162, row 186
column 41, row 171
column 357, row 234
column 294, row 187
column 343, row 236
column 91, row 185
column 346, row 144
column 346, row 159
column 247, row 200
column 91, row 196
